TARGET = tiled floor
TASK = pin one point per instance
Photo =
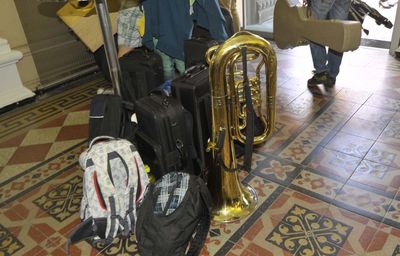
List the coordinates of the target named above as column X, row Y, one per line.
column 327, row 180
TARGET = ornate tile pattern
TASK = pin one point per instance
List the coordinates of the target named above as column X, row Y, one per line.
column 305, row 232
column 334, row 163
column 301, row 147
column 62, row 201
column 321, row 186
column 277, row 170
column 383, row 178
column 362, row 200
column 10, row 123
column 396, row 251
column 8, row 243
column 386, row 154
column 350, row 144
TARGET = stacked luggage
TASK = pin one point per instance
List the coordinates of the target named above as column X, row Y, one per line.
column 167, row 133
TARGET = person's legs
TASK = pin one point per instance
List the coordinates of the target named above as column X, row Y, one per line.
column 334, row 61
column 319, row 57
column 180, row 66
column 339, row 11
column 320, row 10
column 168, row 65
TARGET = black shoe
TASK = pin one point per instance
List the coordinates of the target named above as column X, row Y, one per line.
column 318, row 78
column 330, row 82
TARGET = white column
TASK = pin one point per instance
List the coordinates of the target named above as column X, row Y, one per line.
column 11, row 88
column 395, row 45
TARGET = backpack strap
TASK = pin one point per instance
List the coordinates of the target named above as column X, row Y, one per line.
column 107, row 194
column 197, row 242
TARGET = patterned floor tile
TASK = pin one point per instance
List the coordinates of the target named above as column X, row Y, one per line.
column 37, row 174
column 304, row 106
column 290, row 226
column 362, row 229
column 61, row 146
column 386, row 154
column 6, row 154
column 375, row 114
column 10, row 172
column 77, row 118
column 350, row 144
column 386, row 241
column 331, row 162
column 301, row 147
column 278, row 139
column 30, row 154
column 13, row 141
column 277, row 170
column 348, row 94
column 57, row 122
column 392, row 217
column 73, row 132
column 391, row 134
column 18, row 236
column 40, row 136
column 378, row 177
column 364, row 202
column 318, row 186
column 363, row 128
column 384, row 102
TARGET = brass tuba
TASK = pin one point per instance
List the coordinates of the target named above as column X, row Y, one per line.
column 231, row 199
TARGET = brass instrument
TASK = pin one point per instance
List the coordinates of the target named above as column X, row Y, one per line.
column 293, row 27
column 231, row 199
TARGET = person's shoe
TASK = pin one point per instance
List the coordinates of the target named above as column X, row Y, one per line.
column 330, row 82
column 318, row 78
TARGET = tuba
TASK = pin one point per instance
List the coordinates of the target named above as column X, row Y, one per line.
column 231, row 199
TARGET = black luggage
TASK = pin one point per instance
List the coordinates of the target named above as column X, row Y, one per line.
column 195, row 48
column 142, row 71
column 109, row 115
column 165, row 135
column 192, row 89
column 174, row 218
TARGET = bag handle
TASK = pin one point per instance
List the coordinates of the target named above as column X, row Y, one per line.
column 197, row 242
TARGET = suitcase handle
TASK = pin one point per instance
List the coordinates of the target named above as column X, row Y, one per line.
column 190, row 71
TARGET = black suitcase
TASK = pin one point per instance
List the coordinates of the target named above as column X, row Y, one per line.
column 109, row 115
column 142, row 71
column 165, row 135
column 195, row 50
column 192, row 89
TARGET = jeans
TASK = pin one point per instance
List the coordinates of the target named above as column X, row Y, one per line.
column 169, row 64
column 323, row 10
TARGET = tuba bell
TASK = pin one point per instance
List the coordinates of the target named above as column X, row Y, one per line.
column 231, row 199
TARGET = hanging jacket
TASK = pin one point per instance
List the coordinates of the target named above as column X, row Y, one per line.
column 171, row 23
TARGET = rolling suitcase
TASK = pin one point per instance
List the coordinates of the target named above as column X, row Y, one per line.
column 192, row 89
column 142, row 71
column 109, row 115
column 165, row 135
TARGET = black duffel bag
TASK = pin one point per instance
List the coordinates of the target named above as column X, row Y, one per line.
column 175, row 207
